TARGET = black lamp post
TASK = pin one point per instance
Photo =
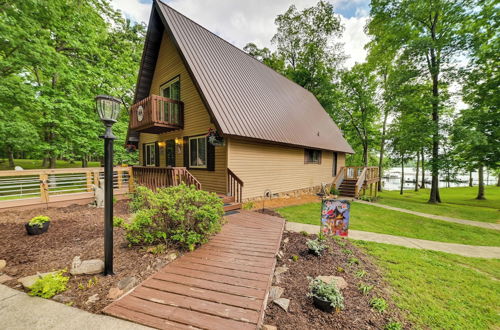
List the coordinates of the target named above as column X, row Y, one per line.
column 108, row 108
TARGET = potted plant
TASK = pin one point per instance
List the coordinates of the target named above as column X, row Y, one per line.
column 38, row 225
column 334, row 192
column 326, row 296
column 315, row 246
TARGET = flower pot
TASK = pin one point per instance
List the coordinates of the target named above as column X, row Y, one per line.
column 313, row 252
column 324, row 305
column 36, row 229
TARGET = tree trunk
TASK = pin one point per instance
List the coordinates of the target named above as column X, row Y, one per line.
column 45, row 162
column 402, row 176
column 52, row 162
column 416, row 172
column 471, row 181
column 480, row 191
column 498, row 181
column 382, row 150
column 85, row 162
column 423, row 169
column 11, row 158
column 365, row 154
column 434, row 195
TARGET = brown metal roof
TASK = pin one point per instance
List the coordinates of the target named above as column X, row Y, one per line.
column 245, row 97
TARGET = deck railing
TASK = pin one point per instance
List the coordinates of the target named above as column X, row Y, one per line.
column 157, row 111
column 362, row 175
column 234, row 186
column 158, row 177
column 44, row 186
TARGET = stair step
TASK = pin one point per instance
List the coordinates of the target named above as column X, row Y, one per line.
column 226, row 199
column 232, row 206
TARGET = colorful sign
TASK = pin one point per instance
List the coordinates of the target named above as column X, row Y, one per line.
column 335, row 216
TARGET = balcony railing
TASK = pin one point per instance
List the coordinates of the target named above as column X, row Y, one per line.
column 158, row 177
column 157, row 114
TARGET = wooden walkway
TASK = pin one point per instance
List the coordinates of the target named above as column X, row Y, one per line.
column 222, row 285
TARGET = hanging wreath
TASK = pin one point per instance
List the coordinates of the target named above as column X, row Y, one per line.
column 214, row 138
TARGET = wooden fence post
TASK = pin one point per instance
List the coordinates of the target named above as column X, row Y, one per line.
column 130, row 180
column 89, row 181
column 44, row 187
column 96, row 179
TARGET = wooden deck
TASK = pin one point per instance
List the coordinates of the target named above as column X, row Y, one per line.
column 222, row 285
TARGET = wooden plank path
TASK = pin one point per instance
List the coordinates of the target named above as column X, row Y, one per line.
column 222, row 285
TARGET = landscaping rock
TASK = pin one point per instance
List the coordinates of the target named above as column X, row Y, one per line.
column 275, row 293
column 114, row 293
column 127, row 283
column 280, row 255
column 172, row 256
column 3, row 263
column 28, row 281
column 5, row 278
column 285, row 241
column 340, row 282
column 268, row 327
column 283, row 303
column 88, row 267
column 280, row 270
column 92, row 299
column 63, row 299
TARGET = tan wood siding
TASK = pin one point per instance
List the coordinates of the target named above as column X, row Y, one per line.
column 197, row 120
column 279, row 168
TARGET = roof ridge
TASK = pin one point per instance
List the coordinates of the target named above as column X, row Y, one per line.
column 241, row 50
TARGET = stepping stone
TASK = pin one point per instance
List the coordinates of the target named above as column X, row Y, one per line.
column 275, row 292
column 283, row 303
column 339, row 281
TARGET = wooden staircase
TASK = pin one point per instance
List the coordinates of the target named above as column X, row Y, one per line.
column 230, row 203
column 348, row 188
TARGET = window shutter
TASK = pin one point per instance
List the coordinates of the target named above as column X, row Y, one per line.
column 186, row 151
column 157, row 154
column 210, row 156
column 320, row 154
column 334, row 164
column 170, row 153
column 143, row 154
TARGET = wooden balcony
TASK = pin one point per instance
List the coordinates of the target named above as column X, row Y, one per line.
column 157, row 114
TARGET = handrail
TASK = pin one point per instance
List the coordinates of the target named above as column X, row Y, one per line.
column 158, row 177
column 339, row 178
column 234, row 186
column 360, row 182
column 157, row 110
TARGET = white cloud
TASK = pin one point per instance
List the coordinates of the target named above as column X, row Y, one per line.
column 240, row 22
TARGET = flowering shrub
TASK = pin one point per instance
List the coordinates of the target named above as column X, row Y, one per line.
column 180, row 215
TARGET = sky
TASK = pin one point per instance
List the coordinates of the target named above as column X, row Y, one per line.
column 244, row 21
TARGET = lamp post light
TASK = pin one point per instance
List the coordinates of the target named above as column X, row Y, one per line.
column 108, row 108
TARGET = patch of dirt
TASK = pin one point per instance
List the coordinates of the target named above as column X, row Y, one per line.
column 76, row 230
column 338, row 260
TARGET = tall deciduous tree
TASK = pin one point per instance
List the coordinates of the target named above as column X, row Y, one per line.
column 429, row 33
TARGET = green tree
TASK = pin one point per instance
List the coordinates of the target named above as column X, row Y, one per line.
column 429, row 34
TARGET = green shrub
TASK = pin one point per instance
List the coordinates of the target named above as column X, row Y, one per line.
column 334, row 191
column 38, row 221
column 118, row 222
column 295, row 258
column 360, row 273
column 316, row 246
column 365, row 288
column 327, row 292
column 248, row 206
column 353, row 261
column 379, row 304
column 393, row 326
column 49, row 285
column 369, row 198
column 304, row 233
column 180, row 215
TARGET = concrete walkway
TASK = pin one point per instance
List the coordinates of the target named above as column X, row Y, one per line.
column 487, row 225
column 20, row 311
column 460, row 249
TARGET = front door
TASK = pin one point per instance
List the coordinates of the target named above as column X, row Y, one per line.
column 170, row 148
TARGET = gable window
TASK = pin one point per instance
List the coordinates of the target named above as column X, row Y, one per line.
column 198, row 152
column 172, row 89
column 312, row 156
column 149, row 155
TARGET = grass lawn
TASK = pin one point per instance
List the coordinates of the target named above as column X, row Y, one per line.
column 440, row 290
column 378, row 220
column 32, row 164
column 457, row 202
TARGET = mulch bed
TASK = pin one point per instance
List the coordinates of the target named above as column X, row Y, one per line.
column 76, row 230
column 302, row 314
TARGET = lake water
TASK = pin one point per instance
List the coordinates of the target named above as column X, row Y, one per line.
column 392, row 179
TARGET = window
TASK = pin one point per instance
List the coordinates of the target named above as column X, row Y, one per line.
column 312, row 156
column 149, row 154
column 198, row 152
column 172, row 89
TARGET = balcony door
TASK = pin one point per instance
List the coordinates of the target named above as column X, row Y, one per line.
column 172, row 90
